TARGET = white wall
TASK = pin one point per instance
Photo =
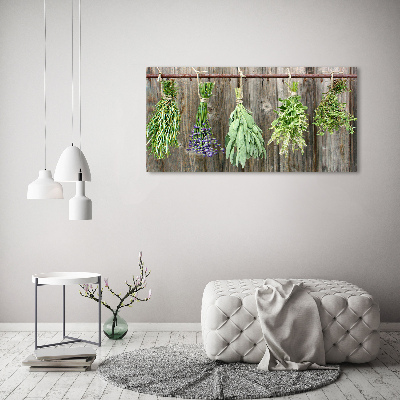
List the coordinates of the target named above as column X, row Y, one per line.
column 192, row 228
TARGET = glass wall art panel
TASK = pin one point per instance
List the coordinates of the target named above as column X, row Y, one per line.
column 251, row 119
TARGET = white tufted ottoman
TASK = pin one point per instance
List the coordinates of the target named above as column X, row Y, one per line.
column 231, row 330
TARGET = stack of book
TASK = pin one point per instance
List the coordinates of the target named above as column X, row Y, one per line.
column 77, row 359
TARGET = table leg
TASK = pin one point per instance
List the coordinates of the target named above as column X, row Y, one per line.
column 100, row 311
column 63, row 311
column 36, row 286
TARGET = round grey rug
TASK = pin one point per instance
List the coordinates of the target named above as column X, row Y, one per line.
column 185, row 371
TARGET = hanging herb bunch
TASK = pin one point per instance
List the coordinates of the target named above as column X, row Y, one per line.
column 291, row 122
column 201, row 140
column 244, row 139
column 331, row 114
column 163, row 127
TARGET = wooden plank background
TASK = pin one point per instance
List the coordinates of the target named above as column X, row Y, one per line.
column 328, row 153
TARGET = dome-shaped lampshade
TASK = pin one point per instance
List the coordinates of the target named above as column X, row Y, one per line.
column 71, row 161
column 44, row 187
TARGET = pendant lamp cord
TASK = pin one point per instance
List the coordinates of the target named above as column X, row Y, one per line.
column 44, row 83
column 79, row 88
column 72, row 68
column 79, row 78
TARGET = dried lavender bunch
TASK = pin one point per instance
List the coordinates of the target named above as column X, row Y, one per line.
column 331, row 114
column 163, row 127
column 201, row 140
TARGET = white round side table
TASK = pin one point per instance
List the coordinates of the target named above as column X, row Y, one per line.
column 66, row 278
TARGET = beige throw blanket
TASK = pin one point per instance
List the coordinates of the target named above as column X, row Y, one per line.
column 291, row 327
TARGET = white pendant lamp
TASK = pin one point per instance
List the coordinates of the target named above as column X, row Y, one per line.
column 44, row 186
column 72, row 161
column 72, row 165
column 80, row 206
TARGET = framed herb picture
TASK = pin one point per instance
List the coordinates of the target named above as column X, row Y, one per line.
column 245, row 119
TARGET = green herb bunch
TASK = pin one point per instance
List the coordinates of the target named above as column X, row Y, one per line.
column 201, row 140
column 331, row 114
column 290, row 124
column 244, row 139
column 163, row 127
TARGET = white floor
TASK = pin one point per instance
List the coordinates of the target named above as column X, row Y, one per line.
column 379, row 379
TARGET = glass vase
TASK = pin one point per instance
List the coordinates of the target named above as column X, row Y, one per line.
column 115, row 327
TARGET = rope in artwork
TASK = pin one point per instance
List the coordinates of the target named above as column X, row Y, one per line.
column 254, row 76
